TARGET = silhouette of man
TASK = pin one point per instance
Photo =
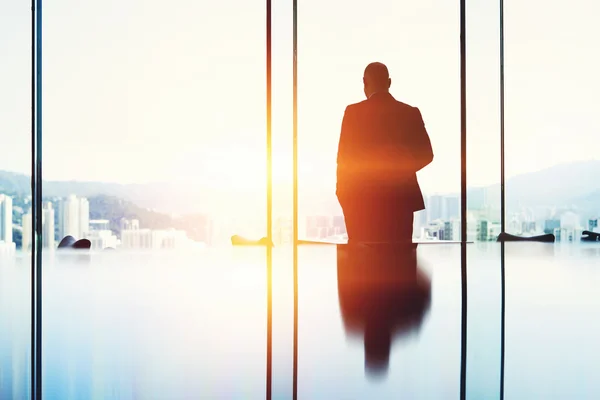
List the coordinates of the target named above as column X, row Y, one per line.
column 383, row 143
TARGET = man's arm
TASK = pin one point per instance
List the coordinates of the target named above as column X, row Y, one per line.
column 344, row 154
column 421, row 151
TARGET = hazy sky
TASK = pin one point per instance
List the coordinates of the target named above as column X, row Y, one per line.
column 142, row 90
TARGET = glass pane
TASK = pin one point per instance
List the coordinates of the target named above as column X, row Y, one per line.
column 282, row 147
column 553, row 171
column 553, row 164
column 483, row 200
column 154, row 146
column 419, row 44
column 483, row 121
column 15, row 200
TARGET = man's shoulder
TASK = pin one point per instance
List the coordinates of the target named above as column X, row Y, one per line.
column 356, row 106
column 398, row 105
column 406, row 106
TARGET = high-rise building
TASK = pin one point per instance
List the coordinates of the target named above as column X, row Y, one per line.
column 74, row 217
column 420, row 222
column 84, row 217
column 136, row 239
column 452, row 230
column 101, row 239
column 100, row 235
column 99, row 225
column 26, row 226
column 487, row 230
column 145, row 239
column 528, row 227
column 550, row 225
column 570, row 229
column 6, row 233
column 452, row 207
column 594, row 224
column 48, row 227
column 482, row 230
column 48, row 239
column 129, row 224
column 435, row 208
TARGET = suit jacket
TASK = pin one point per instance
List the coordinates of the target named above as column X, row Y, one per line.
column 382, row 145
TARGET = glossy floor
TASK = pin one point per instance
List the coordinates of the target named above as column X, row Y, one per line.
column 370, row 326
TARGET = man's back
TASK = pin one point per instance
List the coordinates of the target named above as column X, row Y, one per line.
column 382, row 145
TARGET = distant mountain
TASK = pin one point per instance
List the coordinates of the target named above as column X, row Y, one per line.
column 574, row 184
column 564, row 184
column 589, row 204
column 164, row 197
column 197, row 226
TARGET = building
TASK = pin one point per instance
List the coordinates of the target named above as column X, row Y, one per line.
column 136, row 239
column 433, row 231
column 48, row 238
column 100, row 235
column 452, row 230
column 528, row 227
column 27, row 232
column 482, row 230
column 570, row 229
column 99, row 225
column 7, row 246
column 6, row 229
column 550, row 225
column 147, row 239
column 101, row 239
column 74, row 217
column 487, row 231
column 435, row 208
column 420, row 221
column 594, row 225
column 169, row 239
column 451, row 207
column 129, row 224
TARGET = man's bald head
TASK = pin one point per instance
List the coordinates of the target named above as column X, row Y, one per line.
column 376, row 78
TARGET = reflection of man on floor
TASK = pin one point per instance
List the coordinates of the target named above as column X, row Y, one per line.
column 383, row 295
column 382, row 145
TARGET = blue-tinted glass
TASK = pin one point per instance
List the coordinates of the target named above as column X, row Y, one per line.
column 15, row 200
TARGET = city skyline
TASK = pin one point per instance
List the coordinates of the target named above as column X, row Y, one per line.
column 534, row 195
column 439, row 221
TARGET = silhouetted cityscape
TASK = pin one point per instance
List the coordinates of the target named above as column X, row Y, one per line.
column 440, row 221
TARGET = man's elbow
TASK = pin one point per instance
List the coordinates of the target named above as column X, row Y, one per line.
column 425, row 160
column 429, row 158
